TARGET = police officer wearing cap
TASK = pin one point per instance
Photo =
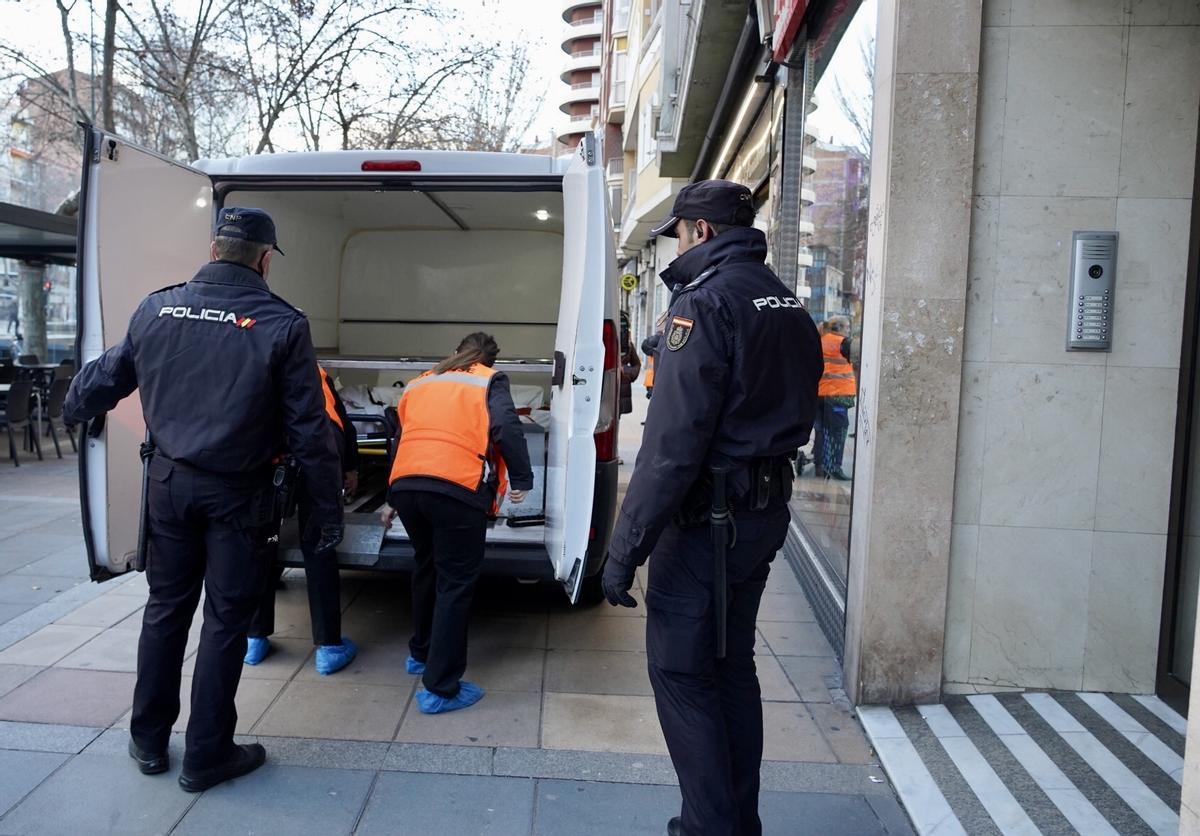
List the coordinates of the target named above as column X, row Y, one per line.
column 227, row 377
column 736, row 392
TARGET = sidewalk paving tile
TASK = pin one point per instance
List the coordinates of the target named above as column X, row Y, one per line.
column 808, row 674
column 335, row 710
column 790, row 734
column 64, row 695
column 568, row 631
column 100, row 794
column 38, row 542
column 775, row 685
column 48, row 645
column 10, row 611
column 136, row 585
column 602, row 724
column 334, row 754
column 818, row 813
column 840, row 778
column 430, row 757
column 281, row 799
column 105, row 611
column 604, row 809
column 488, row 633
column 21, row 772
column 133, row 622
column 13, row 675
column 46, row 737
column 112, row 650
column 565, row 764
column 411, row 803
column 376, row 664
column 254, row 696
column 842, row 732
column 32, row 589
column 507, row 669
column 287, row 656
column 795, row 639
column 777, row 606
column 70, row 562
column 782, row 580
column 619, row 672
column 501, row 718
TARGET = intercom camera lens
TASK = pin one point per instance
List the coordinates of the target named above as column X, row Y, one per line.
column 1095, row 271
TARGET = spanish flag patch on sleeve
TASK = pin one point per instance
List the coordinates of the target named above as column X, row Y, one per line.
column 680, row 330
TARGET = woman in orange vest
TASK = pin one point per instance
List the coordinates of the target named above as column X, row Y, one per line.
column 459, row 440
column 836, row 391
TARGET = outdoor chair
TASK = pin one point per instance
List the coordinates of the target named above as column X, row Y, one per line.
column 54, row 413
column 16, row 417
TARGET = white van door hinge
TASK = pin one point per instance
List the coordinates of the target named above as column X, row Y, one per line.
column 112, row 150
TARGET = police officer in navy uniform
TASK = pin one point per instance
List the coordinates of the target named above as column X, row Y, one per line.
column 736, row 392
column 227, row 377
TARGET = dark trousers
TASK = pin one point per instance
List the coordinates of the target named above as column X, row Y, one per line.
column 710, row 709
column 448, row 537
column 321, row 579
column 203, row 533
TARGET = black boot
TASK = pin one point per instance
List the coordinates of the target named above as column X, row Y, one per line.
column 675, row 827
column 245, row 759
column 148, row 762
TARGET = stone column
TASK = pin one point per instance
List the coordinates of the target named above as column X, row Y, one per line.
column 927, row 76
column 33, row 309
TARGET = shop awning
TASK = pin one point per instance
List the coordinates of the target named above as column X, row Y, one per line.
column 33, row 235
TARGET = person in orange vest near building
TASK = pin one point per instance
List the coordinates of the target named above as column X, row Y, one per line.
column 334, row 651
column 459, row 442
column 837, row 391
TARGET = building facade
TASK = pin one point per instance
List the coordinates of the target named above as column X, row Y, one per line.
column 579, row 100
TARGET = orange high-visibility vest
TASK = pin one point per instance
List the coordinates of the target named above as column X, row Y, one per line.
column 648, row 380
column 838, row 378
column 330, row 405
column 445, row 432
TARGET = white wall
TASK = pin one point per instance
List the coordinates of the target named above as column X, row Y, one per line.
column 1087, row 120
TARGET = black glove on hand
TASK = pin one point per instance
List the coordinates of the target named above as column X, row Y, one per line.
column 618, row 578
column 331, row 535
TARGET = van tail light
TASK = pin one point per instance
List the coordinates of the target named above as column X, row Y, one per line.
column 606, row 426
column 391, row 165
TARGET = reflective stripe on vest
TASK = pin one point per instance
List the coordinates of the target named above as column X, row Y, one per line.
column 838, row 379
column 648, row 380
column 330, row 404
column 445, row 432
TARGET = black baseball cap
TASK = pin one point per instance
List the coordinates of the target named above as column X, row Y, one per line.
column 716, row 201
column 248, row 224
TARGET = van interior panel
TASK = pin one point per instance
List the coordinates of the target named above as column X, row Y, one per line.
column 399, row 277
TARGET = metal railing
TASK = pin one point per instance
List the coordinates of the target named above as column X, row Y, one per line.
column 597, row 17
column 583, row 85
column 617, row 97
column 615, row 168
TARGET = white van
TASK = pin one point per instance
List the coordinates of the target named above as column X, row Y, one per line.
column 394, row 257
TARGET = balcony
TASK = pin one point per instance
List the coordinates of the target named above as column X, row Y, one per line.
column 575, row 126
column 568, row 7
column 580, row 61
column 806, row 227
column 804, row 258
column 587, row 28
column 586, row 92
column 808, row 164
column 615, row 169
column 807, row 197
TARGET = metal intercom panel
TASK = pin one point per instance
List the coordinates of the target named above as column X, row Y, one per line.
column 1092, row 282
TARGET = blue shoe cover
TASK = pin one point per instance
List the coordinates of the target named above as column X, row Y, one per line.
column 413, row 666
column 256, row 650
column 331, row 658
column 468, row 694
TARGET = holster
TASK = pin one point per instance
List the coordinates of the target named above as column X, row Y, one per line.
column 770, row 481
column 284, row 479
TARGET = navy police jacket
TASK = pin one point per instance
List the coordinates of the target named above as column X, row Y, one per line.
column 228, row 379
column 735, row 380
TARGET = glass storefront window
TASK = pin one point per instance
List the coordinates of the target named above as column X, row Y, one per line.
column 834, row 189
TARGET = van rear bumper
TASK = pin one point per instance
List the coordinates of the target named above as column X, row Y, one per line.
column 604, row 512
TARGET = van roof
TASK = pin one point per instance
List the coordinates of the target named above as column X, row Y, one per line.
column 343, row 163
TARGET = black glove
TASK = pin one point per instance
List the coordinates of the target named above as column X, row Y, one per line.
column 331, row 535
column 618, row 578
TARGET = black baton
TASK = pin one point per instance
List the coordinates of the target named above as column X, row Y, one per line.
column 721, row 527
column 146, row 451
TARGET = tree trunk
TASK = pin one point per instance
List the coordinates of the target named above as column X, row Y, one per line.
column 110, row 51
column 33, row 310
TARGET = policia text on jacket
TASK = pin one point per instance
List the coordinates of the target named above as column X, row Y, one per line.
column 392, row 258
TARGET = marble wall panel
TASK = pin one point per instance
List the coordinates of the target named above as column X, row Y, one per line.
column 1123, row 611
column 1158, row 140
column 1062, row 126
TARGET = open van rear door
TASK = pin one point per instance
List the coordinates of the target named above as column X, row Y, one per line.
column 579, row 368
column 144, row 223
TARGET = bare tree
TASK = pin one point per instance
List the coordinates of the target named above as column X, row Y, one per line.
column 857, row 109
column 500, row 109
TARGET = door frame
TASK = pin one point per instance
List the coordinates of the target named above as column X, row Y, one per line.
column 1170, row 688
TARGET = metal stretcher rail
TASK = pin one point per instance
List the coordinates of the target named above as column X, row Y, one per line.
column 423, row 363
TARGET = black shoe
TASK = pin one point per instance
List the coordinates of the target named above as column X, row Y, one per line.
column 245, row 760
column 675, row 827
column 149, row 764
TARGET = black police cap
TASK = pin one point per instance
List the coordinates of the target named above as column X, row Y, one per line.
column 716, row 201
column 248, row 224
